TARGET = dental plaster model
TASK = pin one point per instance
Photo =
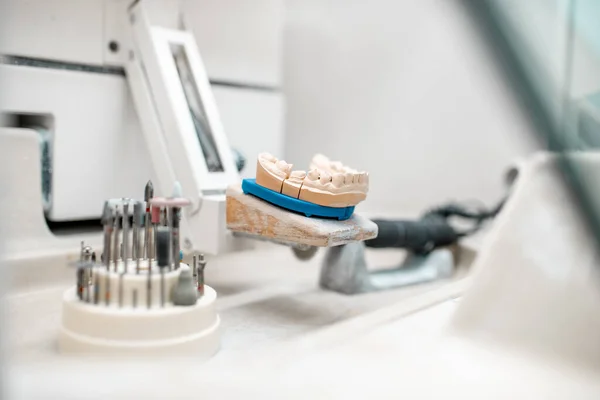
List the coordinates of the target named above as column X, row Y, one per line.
column 328, row 183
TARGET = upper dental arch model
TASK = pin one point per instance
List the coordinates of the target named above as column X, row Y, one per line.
column 327, row 183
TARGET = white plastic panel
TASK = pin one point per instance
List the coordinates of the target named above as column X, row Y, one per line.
column 100, row 152
column 240, row 40
column 253, row 122
column 185, row 106
column 63, row 30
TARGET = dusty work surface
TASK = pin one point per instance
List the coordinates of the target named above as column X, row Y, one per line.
column 265, row 297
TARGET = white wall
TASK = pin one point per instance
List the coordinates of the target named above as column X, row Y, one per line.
column 405, row 90
column 240, row 40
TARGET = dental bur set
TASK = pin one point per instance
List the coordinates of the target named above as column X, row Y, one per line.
column 150, row 243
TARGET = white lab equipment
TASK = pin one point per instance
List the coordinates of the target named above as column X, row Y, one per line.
column 103, row 99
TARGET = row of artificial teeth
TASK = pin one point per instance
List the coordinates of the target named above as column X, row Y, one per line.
column 334, row 166
column 348, row 178
column 279, row 167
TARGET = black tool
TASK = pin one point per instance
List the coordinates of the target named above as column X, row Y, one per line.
column 163, row 246
column 433, row 230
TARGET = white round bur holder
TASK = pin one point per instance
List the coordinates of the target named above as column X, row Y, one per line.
column 125, row 325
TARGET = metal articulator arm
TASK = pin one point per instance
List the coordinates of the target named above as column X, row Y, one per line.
column 344, row 268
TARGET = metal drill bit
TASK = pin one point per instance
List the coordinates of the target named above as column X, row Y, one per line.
column 176, row 241
column 171, row 224
column 135, row 295
column 87, row 292
column 115, row 253
column 92, row 276
column 137, row 265
column 96, row 288
column 125, row 255
column 137, row 217
column 87, row 257
column 201, row 266
column 175, row 217
column 107, row 223
column 164, row 218
column 162, row 287
column 195, row 270
column 135, row 230
column 107, row 289
column 148, row 194
column 175, row 250
column 79, row 274
column 82, row 271
column 149, row 286
column 155, row 218
column 162, row 258
column 116, row 241
column 121, row 288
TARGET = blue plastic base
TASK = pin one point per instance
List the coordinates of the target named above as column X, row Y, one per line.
column 249, row 186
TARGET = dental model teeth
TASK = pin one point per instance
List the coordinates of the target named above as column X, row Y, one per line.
column 327, row 183
column 291, row 186
column 313, row 175
column 337, row 180
column 271, row 172
column 324, row 178
column 363, row 178
column 300, row 175
column 284, row 167
column 349, row 178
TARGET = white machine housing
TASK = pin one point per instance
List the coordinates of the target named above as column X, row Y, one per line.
column 75, row 88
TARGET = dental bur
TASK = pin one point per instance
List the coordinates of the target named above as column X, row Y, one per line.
column 155, row 222
column 87, row 271
column 135, row 229
column 107, row 223
column 149, row 286
column 175, row 217
column 79, row 274
column 201, row 266
column 163, row 236
column 108, row 228
column 116, row 241
column 195, row 270
column 114, row 306
column 148, row 194
column 137, row 218
column 125, row 224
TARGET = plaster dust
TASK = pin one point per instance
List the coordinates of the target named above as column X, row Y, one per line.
column 265, row 296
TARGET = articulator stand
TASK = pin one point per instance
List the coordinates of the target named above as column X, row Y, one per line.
column 344, row 268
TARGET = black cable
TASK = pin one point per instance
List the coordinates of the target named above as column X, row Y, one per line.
column 432, row 230
column 456, row 210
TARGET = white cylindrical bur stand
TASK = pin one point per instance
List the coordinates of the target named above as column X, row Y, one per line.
column 122, row 330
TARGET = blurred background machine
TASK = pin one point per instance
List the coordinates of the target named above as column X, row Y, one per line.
column 102, row 82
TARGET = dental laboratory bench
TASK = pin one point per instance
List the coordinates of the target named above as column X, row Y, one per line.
column 210, row 272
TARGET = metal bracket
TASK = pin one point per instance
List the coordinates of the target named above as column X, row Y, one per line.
column 344, row 270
